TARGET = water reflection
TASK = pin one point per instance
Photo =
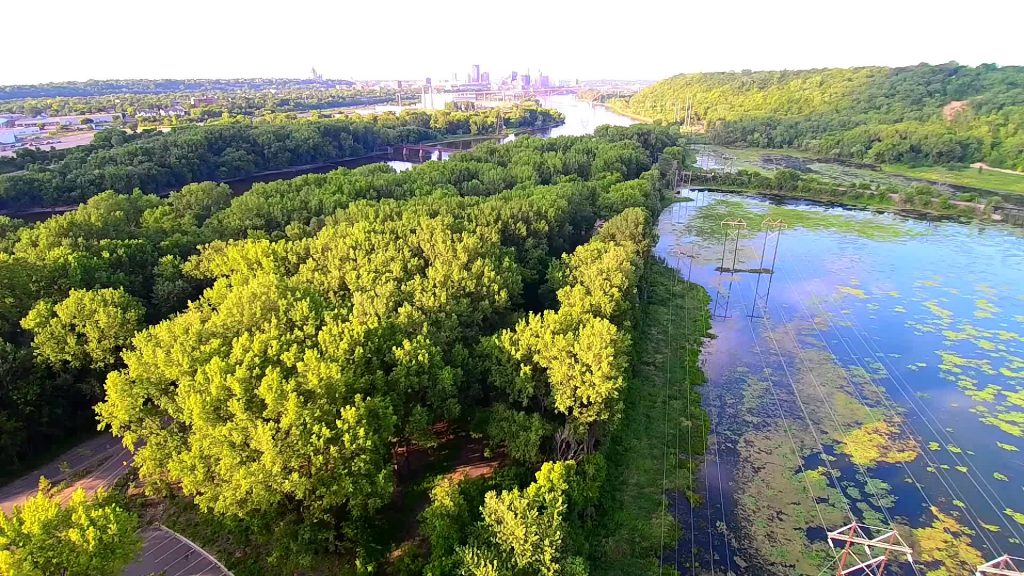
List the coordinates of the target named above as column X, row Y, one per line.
column 876, row 318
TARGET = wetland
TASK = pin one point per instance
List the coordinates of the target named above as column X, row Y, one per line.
column 861, row 367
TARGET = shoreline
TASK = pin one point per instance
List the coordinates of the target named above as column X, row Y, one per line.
column 627, row 114
column 886, row 208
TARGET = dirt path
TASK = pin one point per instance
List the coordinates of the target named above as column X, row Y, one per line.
column 984, row 166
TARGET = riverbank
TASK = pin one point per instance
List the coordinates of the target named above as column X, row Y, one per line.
column 477, row 138
column 915, row 200
column 654, row 455
column 995, row 180
column 952, row 180
column 962, row 214
column 613, row 107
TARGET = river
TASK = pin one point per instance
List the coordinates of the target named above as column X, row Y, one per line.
column 580, row 119
column 874, row 371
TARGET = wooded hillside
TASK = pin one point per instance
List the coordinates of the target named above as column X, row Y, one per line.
column 921, row 114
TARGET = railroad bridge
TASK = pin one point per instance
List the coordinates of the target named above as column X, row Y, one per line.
column 422, row 151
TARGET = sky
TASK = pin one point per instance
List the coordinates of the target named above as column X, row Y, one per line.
column 566, row 39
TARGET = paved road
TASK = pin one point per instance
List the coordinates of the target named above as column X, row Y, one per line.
column 97, row 463
column 165, row 552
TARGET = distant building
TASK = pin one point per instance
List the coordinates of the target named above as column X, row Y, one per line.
column 485, row 78
column 474, row 76
column 6, row 122
column 12, row 135
column 204, row 101
column 55, row 121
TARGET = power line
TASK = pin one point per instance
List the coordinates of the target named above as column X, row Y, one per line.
column 895, row 416
column 890, row 371
column 856, row 533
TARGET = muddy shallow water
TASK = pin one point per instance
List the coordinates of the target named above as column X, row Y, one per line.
column 873, row 371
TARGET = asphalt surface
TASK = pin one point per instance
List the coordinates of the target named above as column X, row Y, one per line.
column 96, row 463
column 166, row 553
column 99, row 463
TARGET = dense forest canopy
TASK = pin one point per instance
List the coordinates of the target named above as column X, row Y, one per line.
column 177, row 108
column 160, row 162
column 303, row 335
column 938, row 114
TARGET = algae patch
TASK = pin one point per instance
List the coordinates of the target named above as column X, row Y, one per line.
column 878, row 442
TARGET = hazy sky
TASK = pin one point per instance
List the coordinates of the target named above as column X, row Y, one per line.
column 381, row 39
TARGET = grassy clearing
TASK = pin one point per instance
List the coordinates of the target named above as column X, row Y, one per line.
column 972, row 177
column 754, row 159
column 661, row 439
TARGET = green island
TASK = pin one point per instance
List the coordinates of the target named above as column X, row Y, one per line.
column 231, row 148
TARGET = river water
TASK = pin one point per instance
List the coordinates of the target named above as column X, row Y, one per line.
column 580, row 118
column 872, row 371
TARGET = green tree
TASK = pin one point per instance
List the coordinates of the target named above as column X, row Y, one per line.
column 87, row 329
column 271, row 412
column 525, row 532
column 87, row 537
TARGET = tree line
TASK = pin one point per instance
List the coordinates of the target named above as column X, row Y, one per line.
column 276, row 354
column 924, row 114
column 93, row 88
column 161, row 162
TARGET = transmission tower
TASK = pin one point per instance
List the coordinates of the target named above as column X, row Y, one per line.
column 878, row 550
column 731, row 232
column 772, row 235
column 1003, row 566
